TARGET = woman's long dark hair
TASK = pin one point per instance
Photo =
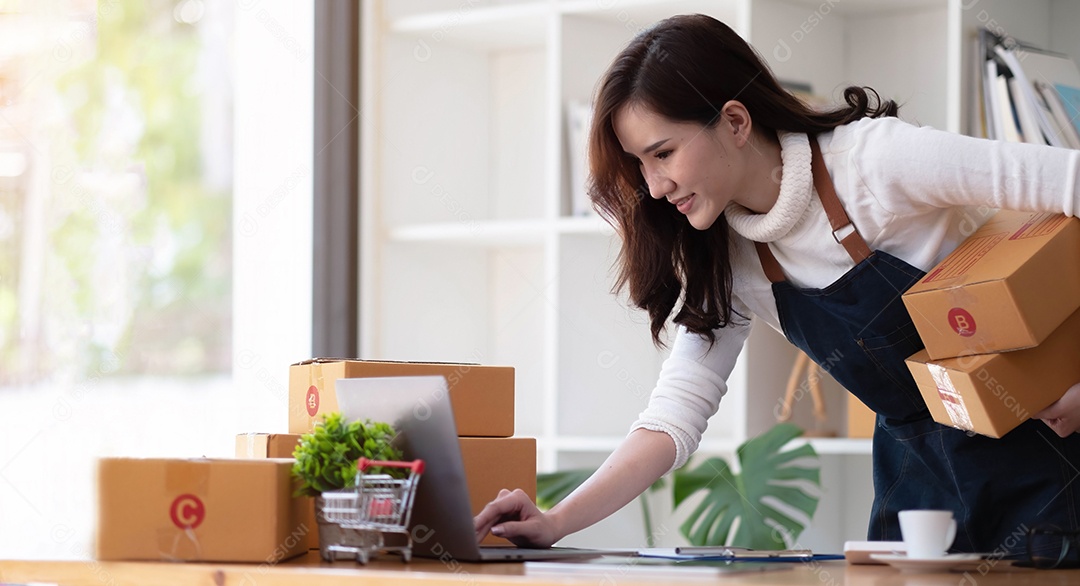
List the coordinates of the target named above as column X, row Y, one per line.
column 686, row 68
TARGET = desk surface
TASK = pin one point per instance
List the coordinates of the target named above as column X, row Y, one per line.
column 310, row 569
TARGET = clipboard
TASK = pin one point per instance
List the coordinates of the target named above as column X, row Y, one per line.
column 644, row 567
column 736, row 554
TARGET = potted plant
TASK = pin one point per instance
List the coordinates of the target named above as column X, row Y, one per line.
column 767, row 474
column 326, row 460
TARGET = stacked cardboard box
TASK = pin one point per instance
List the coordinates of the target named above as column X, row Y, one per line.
column 243, row 510
column 262, row 446
column 482, row 399
column 999, row 317
column 491, row 464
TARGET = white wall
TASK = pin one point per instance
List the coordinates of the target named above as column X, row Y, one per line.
column 272, row 207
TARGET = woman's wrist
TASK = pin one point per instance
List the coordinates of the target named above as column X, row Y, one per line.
column 558, row 523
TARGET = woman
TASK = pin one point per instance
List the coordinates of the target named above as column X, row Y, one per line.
column 734, row 199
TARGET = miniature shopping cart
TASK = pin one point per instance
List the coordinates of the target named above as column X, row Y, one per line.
column 371, row 517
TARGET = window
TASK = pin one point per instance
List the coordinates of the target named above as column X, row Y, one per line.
column 155, row 240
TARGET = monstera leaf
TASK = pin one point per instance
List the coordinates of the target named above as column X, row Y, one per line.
column 768, row 476
column 552, row 487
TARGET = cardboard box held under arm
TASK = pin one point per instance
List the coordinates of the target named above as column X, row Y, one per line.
column 1006, row 287
column 991, row 394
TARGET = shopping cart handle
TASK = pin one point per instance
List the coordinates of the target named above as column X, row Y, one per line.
column 416, row 465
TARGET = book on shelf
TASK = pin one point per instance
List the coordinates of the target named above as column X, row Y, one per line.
column 1020, row 94
column 977, row 119
column 989, row 100
column 1023, row 99
column 1026, row 115
column 1063, row 123
column 1070, row 99
column 1004, row 112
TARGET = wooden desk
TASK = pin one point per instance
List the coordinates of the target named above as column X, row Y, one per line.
column 310, row 569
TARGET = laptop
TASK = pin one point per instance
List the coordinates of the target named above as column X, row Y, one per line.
column 442, row 523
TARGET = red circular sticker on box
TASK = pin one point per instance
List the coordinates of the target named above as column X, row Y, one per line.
column 961, row 322
column 187, row 511
column 312, row 401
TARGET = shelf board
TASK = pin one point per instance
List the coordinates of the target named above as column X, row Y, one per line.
column 823, row 446
column 637, row 14
column 870, row 7
column 488, row 28
column 474, row 233
column 581, row 443
column 609, row 443
column 528, row 232
column 584, row 225
column 839, row 445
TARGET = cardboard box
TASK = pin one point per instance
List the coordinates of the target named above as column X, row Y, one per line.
column 198, row 510
column 266, row 445
column 991, row 394
column 280, row 445
column 861, row 421
column 491, row 464
column 1005, row 288
column 482, row 397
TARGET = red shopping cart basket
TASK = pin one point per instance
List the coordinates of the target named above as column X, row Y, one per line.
column 371, row 517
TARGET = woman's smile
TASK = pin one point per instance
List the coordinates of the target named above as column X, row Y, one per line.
column 683, row 204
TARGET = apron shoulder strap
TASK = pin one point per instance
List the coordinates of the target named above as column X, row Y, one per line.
column 852, row 242
column 769, row 263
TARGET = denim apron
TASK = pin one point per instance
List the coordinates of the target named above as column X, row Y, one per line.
column 859, row 331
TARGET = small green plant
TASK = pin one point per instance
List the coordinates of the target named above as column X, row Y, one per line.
column 326, row 457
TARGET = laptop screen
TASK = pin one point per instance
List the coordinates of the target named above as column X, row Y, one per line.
column 419, row 409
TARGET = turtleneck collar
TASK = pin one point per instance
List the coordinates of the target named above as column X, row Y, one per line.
column 796, row 186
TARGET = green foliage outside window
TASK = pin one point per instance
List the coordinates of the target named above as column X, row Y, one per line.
column 135, row 277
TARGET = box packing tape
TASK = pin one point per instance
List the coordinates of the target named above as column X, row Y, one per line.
column 950, row 397
column 317, row 380
column 183, row 479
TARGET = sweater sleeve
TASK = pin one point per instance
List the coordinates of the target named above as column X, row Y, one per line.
column 905, row 167
column 692, row 381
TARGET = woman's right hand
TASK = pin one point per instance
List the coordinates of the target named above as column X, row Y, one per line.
column 514, row 516
column 642, row 458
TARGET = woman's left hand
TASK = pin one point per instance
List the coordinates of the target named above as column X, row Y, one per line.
column 1063, row 415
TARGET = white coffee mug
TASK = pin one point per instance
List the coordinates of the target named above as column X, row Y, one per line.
column 927, row 534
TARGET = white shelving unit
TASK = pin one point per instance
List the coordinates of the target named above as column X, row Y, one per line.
column 470, row 252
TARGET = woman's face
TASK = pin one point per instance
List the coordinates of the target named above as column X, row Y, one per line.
column 694, row 168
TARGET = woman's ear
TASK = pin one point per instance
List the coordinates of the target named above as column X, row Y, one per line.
column 738, row 118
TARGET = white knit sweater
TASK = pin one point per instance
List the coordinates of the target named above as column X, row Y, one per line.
column 915, row 193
